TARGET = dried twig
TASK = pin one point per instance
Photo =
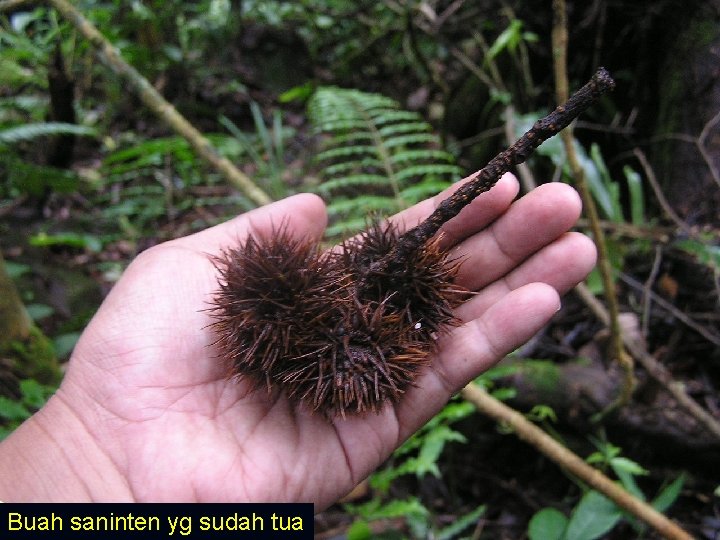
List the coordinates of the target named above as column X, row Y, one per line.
column 647, row 291
column 655, row 233
column 655, row 185
column 653, row 367
column 571, row 462
column 700, row 143
column 158, row 105
column 677, row 313
column 486, row 178
column 559, row 40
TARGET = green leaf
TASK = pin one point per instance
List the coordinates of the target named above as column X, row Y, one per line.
column 669, row 494
column 70, row 239
column 508, row 39
column 359, row 530
column 15, row 270
column 34, row 394
column 547, row 524
column 28, row 132
column 605, row 191
column 39, row 311
column 463, row 522
column 594, row 282
column 396, row 508
column 541, row 413
column 432, row 447
column 637, row 200
column 592, row 517
column 706, row 253
column 504, row 394
column 65, row 343
column 297, row 93
column 13, row 410
column 628, row 465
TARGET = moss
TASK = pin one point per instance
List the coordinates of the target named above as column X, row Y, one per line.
column 34, row 358
column 542, row 375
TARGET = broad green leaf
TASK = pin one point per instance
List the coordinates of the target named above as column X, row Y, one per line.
column 593, row 516
column 547, row 524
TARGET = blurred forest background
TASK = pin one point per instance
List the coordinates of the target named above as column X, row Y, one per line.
column 375, row 105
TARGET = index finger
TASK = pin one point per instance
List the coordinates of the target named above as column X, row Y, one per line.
column 473, row 218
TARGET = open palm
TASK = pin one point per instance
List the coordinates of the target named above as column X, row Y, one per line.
column 157, row 420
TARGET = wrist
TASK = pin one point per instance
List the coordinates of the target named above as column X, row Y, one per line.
column 52, row 457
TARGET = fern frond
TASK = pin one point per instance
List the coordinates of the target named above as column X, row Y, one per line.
column 376, row 157
column 35, row 179
column 369, row 203
column 28, row 132
column 353, row 180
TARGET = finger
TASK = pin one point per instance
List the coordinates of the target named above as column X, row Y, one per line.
column 562, row 265
column 531, row 223
column 483, row 210
column 304, row 215
column 476, row 346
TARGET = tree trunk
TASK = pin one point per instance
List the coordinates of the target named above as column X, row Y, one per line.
column 15, row 322
column 25, row 352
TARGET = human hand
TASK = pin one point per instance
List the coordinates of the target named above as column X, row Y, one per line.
column 146, row 413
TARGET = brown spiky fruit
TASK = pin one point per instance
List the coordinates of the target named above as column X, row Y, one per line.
column 345, row 331
column 270, row 288
column 420, row 288
column 331, row 334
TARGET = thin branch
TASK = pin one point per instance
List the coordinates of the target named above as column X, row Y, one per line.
column 651, row 232
column 677, row 389
column 158, row 105
column 655, row 185
column 466, row 61
column 677, row 313
column 559, row 47
column 653, row 367
column 647, row 294
column 571, row 462
column 700, row 142
column 12, row 5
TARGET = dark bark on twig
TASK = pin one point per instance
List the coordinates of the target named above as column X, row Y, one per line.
column 487, row 177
